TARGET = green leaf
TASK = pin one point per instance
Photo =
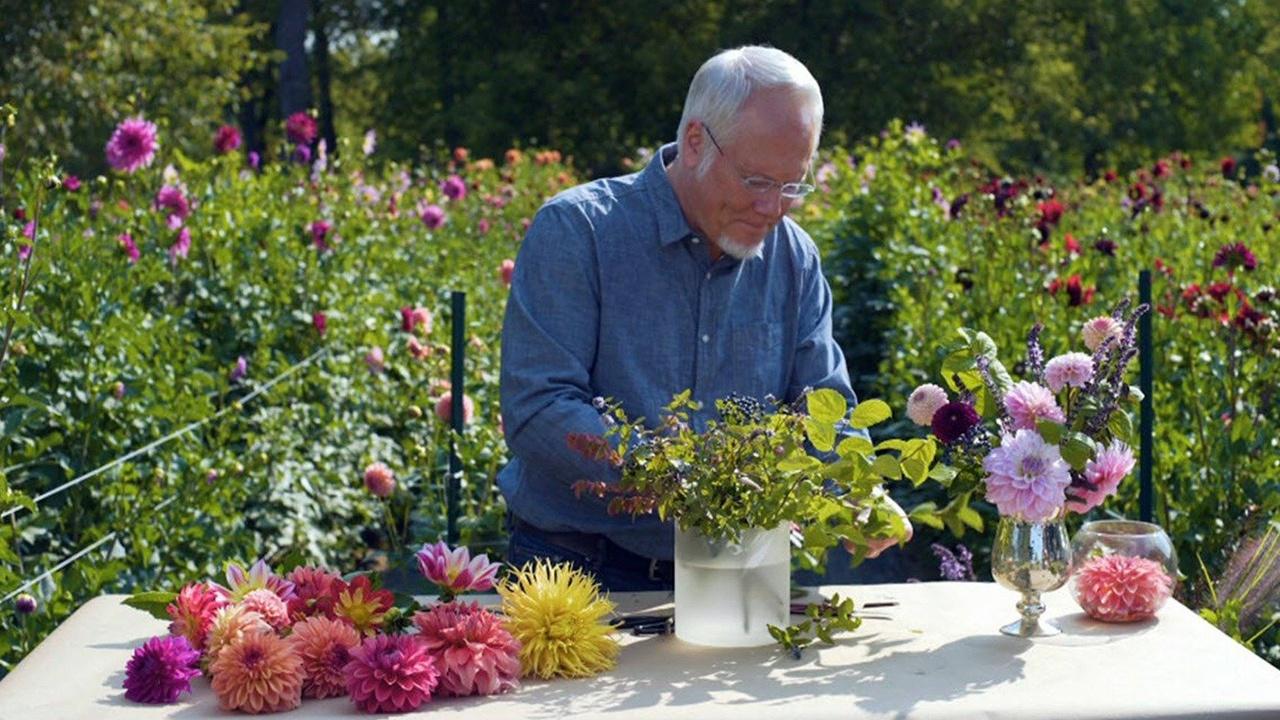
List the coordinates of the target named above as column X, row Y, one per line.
column 892, row 444
column 821, row 434
column 1050, row 431
column 887, row 466
column 1077, row 450
column 869, row 413
column 970, row 517
column 944, row 474
column 152, row 602
column 827, row 405
column 799, row 462
column 856, row 445
column 1121, row 426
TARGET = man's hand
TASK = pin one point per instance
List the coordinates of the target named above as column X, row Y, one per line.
column 875, row 546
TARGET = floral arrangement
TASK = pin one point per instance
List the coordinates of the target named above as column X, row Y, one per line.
column 1054, row 443
column 266, row 641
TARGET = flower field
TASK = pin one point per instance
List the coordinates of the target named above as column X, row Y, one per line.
column 287, row 321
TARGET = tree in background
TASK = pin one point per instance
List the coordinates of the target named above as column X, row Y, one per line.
column 75, row 68
column 1066, row 86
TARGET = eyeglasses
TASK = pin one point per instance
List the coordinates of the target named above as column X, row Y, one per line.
column 763, row 185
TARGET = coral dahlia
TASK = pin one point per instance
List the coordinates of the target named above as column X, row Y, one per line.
column 325, row 648
column 258, row 673
column 474, row 653
column 1121, row 588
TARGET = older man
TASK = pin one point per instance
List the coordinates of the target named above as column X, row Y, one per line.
column 686, row 275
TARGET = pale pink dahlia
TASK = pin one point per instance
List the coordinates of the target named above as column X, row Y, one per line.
column 1027, row 477
column 379, row 480
column 241, row 582
column 1028, row 403
column 475, row 654
column 375, row 360
column 444, row 408
column 230, row 624
column 1105, row 473
column 1097, row 330
column 132, row 146
column 924, row 402
column 1074, row 369
column 269, row 605
column 390, row 673
column 258, row 673
column 161, row 670
column 193, row 611
column 324, row 646
column 455, row 571
column 1120, row 588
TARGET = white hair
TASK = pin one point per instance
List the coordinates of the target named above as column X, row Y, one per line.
column 724, row 83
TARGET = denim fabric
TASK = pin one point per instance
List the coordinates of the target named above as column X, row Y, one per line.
column 614, row 296
column 525, row 545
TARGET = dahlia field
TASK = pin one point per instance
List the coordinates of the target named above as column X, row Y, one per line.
column 244, row 356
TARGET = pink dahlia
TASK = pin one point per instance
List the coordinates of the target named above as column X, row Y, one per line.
column 1027, row 477
column 1104, row 472
column 320, row 234
column 444, row 408
column 391, row 673
column 132, row 146
column 1028, row 403
column 319, row 321
column 507, row 271
column 413, row 317
column 239, row 371
column 180, row 247
column 1097, row 330
column 313, row 592
column 455, row 571
column 375, row 360
column 379, row 480
column 924, row 402
column 454, row 188
column 1120, row 588
column 432, row 216
column 129, row 247
column 269, row 605
column 161, row 670
column 474, row 653
column 300, row 128
column 171, row 200
column 1074, row 369
column 192, row 613
column 324, row 645
column 360, row 605
column 418, row 350
column 241, row 582
column 226, row 139
column 258, row 673
column 71, row 183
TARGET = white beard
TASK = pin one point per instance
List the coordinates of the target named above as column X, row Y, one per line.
column 740, row 251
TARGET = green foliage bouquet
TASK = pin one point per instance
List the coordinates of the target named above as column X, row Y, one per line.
column 759, row 466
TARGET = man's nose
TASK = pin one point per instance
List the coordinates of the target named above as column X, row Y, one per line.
column 771, row 203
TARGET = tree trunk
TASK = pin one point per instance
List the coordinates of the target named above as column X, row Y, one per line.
column 324, row 81
column 291, row 36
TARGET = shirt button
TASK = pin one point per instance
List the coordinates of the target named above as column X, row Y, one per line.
column 694, row 240
column 708, row 276
column 706, row 338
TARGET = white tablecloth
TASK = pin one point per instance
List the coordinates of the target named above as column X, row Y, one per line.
column 937, row 655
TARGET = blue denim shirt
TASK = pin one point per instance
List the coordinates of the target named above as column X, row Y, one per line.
column 614, row 296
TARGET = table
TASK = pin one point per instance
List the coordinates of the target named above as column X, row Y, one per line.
column 937, row 654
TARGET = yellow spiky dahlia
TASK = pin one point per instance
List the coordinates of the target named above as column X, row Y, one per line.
column 557, row 614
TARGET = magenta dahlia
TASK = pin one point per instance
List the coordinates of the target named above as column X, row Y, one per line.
column 226, row 139
column 132, row 146
column 391, row 673
column 300, row 128
column 161, row 670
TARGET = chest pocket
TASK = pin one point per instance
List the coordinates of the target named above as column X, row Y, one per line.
column 757, row 359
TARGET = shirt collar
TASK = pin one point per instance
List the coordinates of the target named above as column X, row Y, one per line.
column 672, row 227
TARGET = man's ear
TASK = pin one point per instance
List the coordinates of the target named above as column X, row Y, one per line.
column 695, row 143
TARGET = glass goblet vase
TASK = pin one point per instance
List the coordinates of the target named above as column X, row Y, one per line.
column 1031, row 558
